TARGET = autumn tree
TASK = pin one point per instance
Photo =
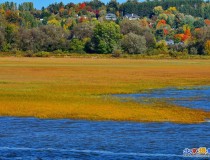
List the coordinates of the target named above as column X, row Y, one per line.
column 207, row 47
column 158, row 10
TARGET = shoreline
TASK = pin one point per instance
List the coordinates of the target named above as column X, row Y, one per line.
column 104, row 121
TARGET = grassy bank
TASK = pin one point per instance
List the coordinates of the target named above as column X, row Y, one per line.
column 61, row 54
column 80, row 88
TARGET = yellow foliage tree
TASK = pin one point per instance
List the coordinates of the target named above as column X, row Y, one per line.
column 172, row 9
column 207, row 47
column 118, row 14
column 162, row 45
column 158, row 10
column 144, row 23
column 54, row 22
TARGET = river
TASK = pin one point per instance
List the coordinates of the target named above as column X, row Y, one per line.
column 46, row 139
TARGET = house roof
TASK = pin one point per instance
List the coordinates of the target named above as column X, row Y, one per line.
column 131, row 16
column 110, row 15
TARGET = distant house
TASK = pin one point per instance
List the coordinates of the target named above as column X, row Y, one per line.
column 83, row 16
column 111, row 16
column 170, row 42
column 131, row 16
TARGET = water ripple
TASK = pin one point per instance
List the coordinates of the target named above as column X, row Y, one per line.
column 90, row 151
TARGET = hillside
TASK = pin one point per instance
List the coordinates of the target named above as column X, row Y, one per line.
column 152, row 27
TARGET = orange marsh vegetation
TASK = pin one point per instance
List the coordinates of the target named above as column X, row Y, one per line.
column 81, row 88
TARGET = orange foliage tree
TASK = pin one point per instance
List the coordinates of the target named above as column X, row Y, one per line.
column 207, row 22
column 184, row 36
column 161, row 23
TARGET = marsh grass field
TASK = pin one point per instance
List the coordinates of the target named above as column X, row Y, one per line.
column 82, row 88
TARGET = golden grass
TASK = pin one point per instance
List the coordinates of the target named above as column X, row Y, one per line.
column 80, row 88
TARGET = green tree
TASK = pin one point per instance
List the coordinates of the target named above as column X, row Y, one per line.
column 112, row 6
column 138, row 28
column 106, row 37
column 26, row 6
column 134, row 44
column 199, row 23
column 44, row 38
column 29, row 20
column 158, row 10
column 95, row 4
column 83, row 30
column 189, row 20
column 77, row 45
column 9, row 33
column 2, row 38
column 128, row 26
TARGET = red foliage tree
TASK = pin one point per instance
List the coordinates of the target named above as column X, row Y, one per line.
column 82, row 5
column 165, row 31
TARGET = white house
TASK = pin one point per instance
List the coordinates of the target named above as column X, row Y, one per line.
column 111, row 16
column 131, row 16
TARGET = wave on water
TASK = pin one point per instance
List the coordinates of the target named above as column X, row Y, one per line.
column 90, row 152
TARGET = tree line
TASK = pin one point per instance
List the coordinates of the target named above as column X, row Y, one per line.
column 163, row 27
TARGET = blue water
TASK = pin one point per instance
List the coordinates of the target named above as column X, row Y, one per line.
column 30, row 138
column 38, row 139
column 189, row 97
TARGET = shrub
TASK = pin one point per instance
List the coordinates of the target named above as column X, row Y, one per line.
column 161, row 45
column 176, row 54
column 17, row 53
column 42, row 54
column 117, row 53
column 155, row 52
column 58, row 51
column 6, row 47
column 28, row 53
column 77, row 45
column 193, row 51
